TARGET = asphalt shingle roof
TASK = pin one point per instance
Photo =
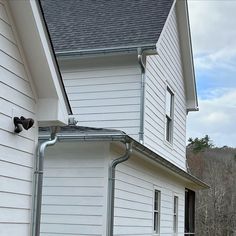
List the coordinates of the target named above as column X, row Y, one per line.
column 96, row 24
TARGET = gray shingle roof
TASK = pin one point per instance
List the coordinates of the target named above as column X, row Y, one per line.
column 76, row 25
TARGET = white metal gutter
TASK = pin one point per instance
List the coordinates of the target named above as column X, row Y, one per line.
column 119, row 136
column 95, row 51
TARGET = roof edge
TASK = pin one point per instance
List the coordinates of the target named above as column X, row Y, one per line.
column 187, row 54
column 117, row 135
column 47, row 35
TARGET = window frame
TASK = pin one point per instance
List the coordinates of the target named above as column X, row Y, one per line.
column 175, row 214
column 169, row 115
column 156, row 212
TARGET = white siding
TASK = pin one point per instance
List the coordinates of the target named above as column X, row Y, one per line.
column 162, row 70
column 105, row 92
column 136, row 180
column 74, row 189
column 16, row 151
column 75, row 192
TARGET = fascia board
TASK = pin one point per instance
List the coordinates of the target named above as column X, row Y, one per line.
column 187, row 55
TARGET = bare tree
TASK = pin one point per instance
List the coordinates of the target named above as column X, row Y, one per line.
column 215, row 207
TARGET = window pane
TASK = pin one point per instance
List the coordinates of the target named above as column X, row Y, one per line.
column 156, row 213
column 155, row 219
column 175, row 205
column 169, row 114
column 156, row 222
column 168, row 129
column 156, row 201
column 169, row 98
column 175, row 217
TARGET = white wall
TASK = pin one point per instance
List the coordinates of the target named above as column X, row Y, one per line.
column 136, row 180
column 16, row 151
column 105, row 92
column 165, row 69
column 75, row 192
column 74, row 189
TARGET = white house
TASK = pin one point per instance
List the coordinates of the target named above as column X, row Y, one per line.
column 30, row 86
column 128, row 72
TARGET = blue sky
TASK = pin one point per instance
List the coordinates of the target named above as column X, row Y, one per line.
column 213, row 29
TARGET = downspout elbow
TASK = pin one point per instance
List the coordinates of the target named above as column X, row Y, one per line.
column 111, row 187
column 140, row 60
column 123, row 158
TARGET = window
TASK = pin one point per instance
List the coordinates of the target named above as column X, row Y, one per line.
column 156, row 216
column 189, row 212
column 169, row 115
column 175, row 215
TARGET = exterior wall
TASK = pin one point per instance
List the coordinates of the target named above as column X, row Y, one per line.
column 75, row 192
column 105, row 92
column 162, row 70
column 74, row 189
column 16, row 151
column 136, row 180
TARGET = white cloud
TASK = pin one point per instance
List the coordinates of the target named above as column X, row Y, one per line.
column 224, row 58
column 217, row 118
column 212, row 24
column 213, row 33
column 214, row 44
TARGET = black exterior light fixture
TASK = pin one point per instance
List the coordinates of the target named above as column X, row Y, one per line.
column 22, row 121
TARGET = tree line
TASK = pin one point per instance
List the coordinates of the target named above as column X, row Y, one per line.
column 215, row 207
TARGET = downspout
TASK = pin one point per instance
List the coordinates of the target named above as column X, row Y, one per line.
column 39, row 180
column 111, row 187
column 142, row 95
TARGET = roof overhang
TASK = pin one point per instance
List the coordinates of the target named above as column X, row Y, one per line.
column 52, row 105
column 76, row 133
column 187, row 55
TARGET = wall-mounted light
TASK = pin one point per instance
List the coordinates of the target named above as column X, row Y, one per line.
column 22, row 121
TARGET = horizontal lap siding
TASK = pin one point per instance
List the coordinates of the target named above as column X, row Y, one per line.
column 74, row 189
column 162, row 70
column 16, row 151
column 105, row 94
column 135, row 182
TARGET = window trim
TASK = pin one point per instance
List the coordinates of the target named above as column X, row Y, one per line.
column 175, row 214
column 156, row 212
column 169, row 119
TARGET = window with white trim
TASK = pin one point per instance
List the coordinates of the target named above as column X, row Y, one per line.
column 175, row 215
column 156, row 212
column 169, row 115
